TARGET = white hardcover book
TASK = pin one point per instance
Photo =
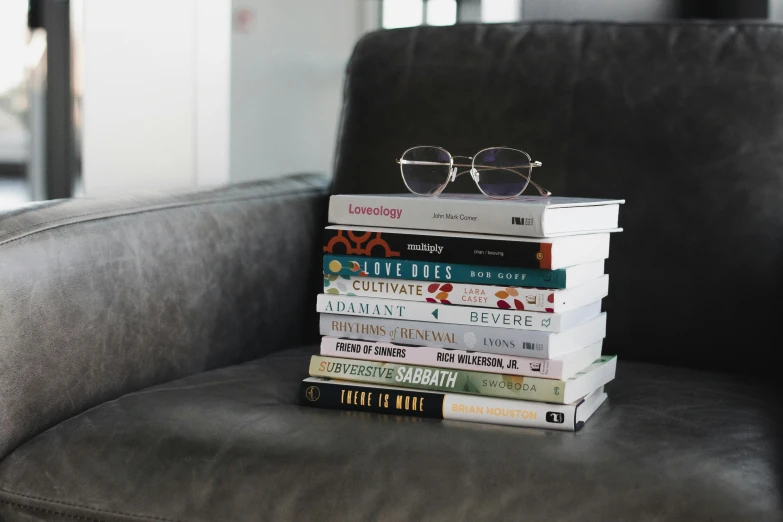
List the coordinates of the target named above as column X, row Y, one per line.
column 530, row 216
column 560, row 368
column 580, row 274
column 416, row 311
column 468, row 294
column 512, row 412
column 590, row 379
column 528, row 343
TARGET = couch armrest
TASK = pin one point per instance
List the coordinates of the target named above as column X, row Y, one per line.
column 99, row 298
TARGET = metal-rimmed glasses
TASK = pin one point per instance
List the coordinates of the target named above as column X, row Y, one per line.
column 499, row 172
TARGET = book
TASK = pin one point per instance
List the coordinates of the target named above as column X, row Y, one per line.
column 570, row 277
column 468, row 249
column 529, row 216
column 462, row 294
column 464, row 381
column 415, row 311
column 528, row 343
column 561, row 368
column 341, row 395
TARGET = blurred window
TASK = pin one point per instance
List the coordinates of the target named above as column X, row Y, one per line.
column 441, row 12
column 410, row 13
column 496, row 11
column 402, row 13
column 14, row 134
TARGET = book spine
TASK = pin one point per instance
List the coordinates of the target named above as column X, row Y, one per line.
column 529, row 343
column 438, row 379
column 444, row 272
column 442, row 249
column 460, row 294
column 414, row 311
column 325, row 394
column 376, row 399
column 441, row 358
column 439, row 214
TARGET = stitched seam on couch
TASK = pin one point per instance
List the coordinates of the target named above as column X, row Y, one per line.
column 701, row 24
column 205, row 196
column 49, row 511
column 107, row 214
column 69, row 504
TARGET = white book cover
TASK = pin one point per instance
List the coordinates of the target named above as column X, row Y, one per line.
column 560, row 368
column 530, row 216
column 527, row 343
column 468, row 294
column 512, row 412
column 417, row 311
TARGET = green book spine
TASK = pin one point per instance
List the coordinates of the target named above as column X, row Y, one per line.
column 444, row 272
column 439, row 379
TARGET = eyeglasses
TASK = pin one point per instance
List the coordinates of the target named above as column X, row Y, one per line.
column 499, row 172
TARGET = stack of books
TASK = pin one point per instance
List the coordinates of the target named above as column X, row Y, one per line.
column 463, row 307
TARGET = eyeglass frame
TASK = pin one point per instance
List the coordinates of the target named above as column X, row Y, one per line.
column 453, row 174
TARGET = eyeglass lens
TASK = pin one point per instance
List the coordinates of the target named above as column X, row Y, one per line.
column 502, row 172
column 425, row 169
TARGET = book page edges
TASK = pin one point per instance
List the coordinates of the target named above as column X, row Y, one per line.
column 588, row 407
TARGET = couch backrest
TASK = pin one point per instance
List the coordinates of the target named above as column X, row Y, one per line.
column 684, row 120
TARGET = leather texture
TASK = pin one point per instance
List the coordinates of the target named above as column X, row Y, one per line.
column 231, row 444
column 683, row 120
column 99, row 298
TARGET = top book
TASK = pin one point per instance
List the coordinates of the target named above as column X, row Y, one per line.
column 528, row 216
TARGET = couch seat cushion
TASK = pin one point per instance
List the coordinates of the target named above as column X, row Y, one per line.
column 232, row 444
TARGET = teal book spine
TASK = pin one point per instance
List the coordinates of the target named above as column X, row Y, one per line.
column 445, row 272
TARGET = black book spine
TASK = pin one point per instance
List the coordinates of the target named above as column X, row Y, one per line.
column 375, row 399
column 441, row 249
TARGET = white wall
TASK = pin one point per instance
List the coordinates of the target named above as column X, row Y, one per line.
column 287, row 72
column 213, row 91
column 180, row 93
column 147, row 124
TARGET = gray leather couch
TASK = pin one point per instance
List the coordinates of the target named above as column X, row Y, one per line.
column 151, row 348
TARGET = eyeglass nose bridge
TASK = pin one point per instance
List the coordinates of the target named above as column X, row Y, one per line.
column 455, row 172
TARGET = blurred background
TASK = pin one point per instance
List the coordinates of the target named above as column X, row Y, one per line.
column 109, row 96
